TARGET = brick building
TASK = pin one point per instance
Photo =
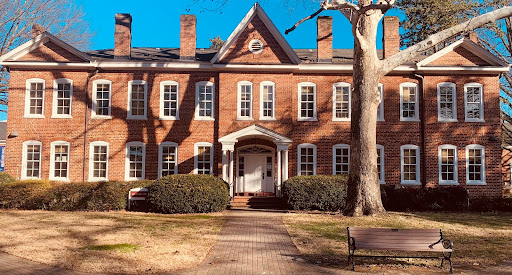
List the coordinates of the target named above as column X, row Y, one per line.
column 254, row 112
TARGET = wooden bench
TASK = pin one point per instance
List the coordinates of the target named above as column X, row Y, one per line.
column 417, row 240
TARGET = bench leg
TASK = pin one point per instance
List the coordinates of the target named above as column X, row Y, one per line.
column 449, row 259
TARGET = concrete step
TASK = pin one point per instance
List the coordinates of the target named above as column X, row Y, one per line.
column 257, row 202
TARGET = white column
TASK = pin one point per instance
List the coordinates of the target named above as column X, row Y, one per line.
column 285, row 166
column 231, row 179
column 225, row 165
column 279, row 165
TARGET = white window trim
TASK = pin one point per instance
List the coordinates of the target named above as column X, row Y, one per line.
column 416, row 105
column 418, row 166
column 475, row 182
column 382, row 164
column 455, row 180
column 305, row 145
column 196, row 152
column 334, row 86
column 127, row 161
column 27, row 98
column 162, row 115
column 24, row 159
column 338, row 146
column 299, row 117
column 263, row 84
column 55, row 95
column 212, row 117
column 160, row 156
column 239, row 100
column 380, row 112
column 91, row 158
column 454, row 96
column 481, row 86
column 52, row 160
column 129, row 108
column 94, row 102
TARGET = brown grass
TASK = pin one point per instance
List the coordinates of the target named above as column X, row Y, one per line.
column 480, row 240
column 128, row 243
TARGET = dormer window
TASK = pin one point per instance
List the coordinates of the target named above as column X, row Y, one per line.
column 256, row 46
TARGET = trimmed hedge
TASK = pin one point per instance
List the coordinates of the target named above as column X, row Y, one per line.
column 486, row 204
column 406, row 198
column 188, row 194
column 6, row 178
column 324, row 193
column 26, row 194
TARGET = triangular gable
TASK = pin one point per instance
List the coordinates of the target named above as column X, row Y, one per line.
column 45, row 47
column 463, row 52
column 255, row 130
column 256, row 25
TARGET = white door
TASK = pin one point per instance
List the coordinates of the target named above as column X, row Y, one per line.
column 254, row 173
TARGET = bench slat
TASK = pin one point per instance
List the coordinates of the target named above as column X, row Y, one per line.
column 399, row 238
column 364, row 229
column 406, row 249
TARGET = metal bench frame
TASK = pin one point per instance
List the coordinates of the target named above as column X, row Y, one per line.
column 447, row 244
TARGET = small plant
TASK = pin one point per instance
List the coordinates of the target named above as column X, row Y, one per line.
column 122, row 247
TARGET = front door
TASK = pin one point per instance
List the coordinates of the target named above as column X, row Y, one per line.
column 255, row 174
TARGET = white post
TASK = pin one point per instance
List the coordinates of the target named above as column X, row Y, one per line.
column 285, row 166
column 225, row 165
column 279, row 165
column 231, row 179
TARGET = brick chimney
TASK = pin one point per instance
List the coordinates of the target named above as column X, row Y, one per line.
column 391, row 36
column 123, row 36
column 324, row 38
column 37, row 30
column 188, row 37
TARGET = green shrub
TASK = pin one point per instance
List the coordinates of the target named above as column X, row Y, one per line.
column 24, row 194
column 188, row 194
column 67, row 196
column 486, row 204
column 113, row 196
column 325, row 193
column 407, row 198
column 6, row 178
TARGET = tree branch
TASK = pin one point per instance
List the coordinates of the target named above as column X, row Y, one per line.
column 304, row 19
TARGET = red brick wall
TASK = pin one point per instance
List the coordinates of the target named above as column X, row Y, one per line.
column 50, row 52
column 459, row 57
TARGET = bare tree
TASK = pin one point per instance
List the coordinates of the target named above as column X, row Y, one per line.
column 61, row 17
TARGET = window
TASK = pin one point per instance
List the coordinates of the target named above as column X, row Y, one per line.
column 448, row 164
column 205, row 100
column 341, row 102
column 340, row 159
column 474, row 103
column 380, row 164
column 167, row 159
column 169, row 100
column 34, row 98
column 307, row 101
column 268, row 96
column 98, row 161
column 31, row 166
column 245, row 100
column 62, row 95
column 446, row 102
column 101, row 97
column 59, row 163
column 410, row 155
column 137, row 93
column 408, row 102
column 380, row 110
column 475, row 164
column 306, row 159
column 135, row 160
column 203, row 159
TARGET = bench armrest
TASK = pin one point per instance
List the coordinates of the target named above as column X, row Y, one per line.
column 447, row 244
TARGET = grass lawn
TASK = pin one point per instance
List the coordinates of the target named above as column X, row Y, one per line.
column 110, row 242
column 480, row 240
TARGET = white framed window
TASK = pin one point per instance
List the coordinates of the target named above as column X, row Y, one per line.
column 446, row 102
column 101, row 98
column 380, row 164
column 135, row 160
column 31, row 160
column 474, row 102
column 205, row 101
column 306, row 156
column 34, row 98
column 410, row 167
column 307, row 101
column 62, row 98
column 409, row 101
column 341, row 101
column 98, row 161
column 267, row 100
column 137, row 99
column 340, row 159
column 203, row 158
column 475, row 164
column 169, row 100
column 448, row 164
column 244, row 102
column 167, row 159
column 59, row 162
column 380, row 110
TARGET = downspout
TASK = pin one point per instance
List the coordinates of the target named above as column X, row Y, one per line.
column 86, row 119
column 423, row 162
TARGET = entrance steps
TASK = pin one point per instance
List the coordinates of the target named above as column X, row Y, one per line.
column 258, row 202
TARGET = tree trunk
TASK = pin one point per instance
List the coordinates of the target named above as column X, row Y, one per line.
column 363, row 196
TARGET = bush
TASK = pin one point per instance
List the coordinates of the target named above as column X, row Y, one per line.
column 486, row 204
column 188, row 194
column 24, row 194
column 406, row 198
column 6, row 178
column 325, row 193
column 113, row 196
